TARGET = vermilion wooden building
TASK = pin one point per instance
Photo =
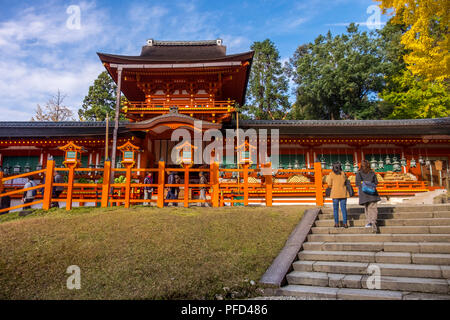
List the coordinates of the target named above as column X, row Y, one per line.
column 172, row 84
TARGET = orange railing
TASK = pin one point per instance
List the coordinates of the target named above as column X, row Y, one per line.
column 225, row 187
column 183, row 106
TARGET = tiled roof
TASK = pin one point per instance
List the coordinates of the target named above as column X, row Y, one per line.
column 10, row 129
column 353, row 123
column 410, row 127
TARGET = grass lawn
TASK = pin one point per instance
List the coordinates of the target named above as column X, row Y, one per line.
column 141, row 253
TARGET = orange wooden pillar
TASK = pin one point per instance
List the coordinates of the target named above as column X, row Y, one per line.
column 106, row 183
column 48, row 188
column 318, row 183
column 127, row 184
column 214, row 179
column 161, row 178
column 186, row 185
column 268, row 182
column 70, row 186
column 245, row 166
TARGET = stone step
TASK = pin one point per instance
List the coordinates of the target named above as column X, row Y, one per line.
column 414, row 247
column 430, row 237
column 376, row 257
column 400, row 215
column 396, row 209
column 390, row 222
column 335, row 280
column 382, row 230
column 362, row 268
column 316, row 292
column 439, row 286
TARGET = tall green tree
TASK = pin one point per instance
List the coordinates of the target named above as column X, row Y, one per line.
column 268, row 84
column 100, row 100
column 408, row 96
column 338, row 77
column 416, row 98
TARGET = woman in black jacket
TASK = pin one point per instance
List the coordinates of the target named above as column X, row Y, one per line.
column 369, row 201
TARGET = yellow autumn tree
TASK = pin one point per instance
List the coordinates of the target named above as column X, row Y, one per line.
column 427, row 36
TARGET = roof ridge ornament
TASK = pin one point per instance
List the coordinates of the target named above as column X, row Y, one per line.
column 153, row 42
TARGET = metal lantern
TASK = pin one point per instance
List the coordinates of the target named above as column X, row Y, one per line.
column 330, row 166
column 17, row 168
column 303, row 165
column 373, row 163
column 296, row 165
column 396, row 164
column 387, row 160
column 421, row 161
column 289, row 166
column 380, row 164
column 427, row 162
column 403, row 161
column 7, row 169
column 355, row 167
column 323, row 162
column 27, row 168
column 413, row 163
column 347, row 166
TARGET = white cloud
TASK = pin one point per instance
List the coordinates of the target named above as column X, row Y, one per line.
column 41, row 55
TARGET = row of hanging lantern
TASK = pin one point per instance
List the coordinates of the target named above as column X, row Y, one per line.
column 347, row 165
column 375, row 164
column 17, row 169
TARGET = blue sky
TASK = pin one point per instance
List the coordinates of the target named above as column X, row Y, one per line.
column 43, row 48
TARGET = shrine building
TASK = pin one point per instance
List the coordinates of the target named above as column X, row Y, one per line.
column 172, row 84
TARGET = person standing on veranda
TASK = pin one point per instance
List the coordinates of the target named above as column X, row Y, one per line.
column 57, row 190
column 369, row 201
column 170, row 190
column 29, row 195
column 203, row 189
column 336, row 181
column 148, row 191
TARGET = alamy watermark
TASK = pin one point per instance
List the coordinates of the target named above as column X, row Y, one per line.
column 374, row 20
column 73, row 22
column 74, row 280
column 373, row 281
column 250, row 145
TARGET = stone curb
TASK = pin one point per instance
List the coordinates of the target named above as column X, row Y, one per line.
column 275, row 276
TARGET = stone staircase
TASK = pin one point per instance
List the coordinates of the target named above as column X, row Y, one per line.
column 411, row 250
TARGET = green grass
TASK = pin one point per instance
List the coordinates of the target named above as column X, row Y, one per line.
column 141, row 253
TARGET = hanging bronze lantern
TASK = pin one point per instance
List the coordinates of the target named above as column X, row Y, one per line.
column 387, row 160
column 323, row 162
column 396, row 164
column 373, row 163
column 403, row 160
column 421, row 161
column 347, row 166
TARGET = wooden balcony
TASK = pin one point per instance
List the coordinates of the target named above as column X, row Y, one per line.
column 215, row 111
